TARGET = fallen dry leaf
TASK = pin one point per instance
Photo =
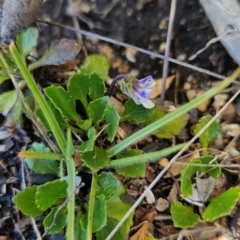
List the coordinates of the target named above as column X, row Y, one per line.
column 203, row 106
column 157, row 89
column 117, row 104
column 141, row 233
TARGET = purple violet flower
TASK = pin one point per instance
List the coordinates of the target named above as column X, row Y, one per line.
column 139, row 90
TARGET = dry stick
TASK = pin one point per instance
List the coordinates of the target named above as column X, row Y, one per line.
column 159, row 176
column 39, row 237
column 64, row 204
column 168, row 45
column 35, row 121
column 208, row 44
column 75, row 20
column 126, row 45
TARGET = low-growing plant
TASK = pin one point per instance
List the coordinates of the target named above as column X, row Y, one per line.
column 57, row 111
column 203, row 170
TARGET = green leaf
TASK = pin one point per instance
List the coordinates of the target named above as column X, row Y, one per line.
column 213, row 169
column 89, row 144
column 97, row 87
column 42, row 166
column 25, row 202
column 17, row 113
column 81, row 85
column 3, row 77
column 116, row 209
column 183, row 216
column 7, row 101
column 78, row 87
column 99, row 213
column 131, row 170
column 186, row 177
column 112, row 120
column 210, row 133
column 97, row 108
column 62, row 123
column 170, row 129
column 97, row 64
column 29, row 98
column 60, row 52
column 107, row 184
column 59, row 223
column 49, row 193
column 80, row 233
column 99, row 218
column 111, row 223
column 11, row 63
column 222, row 205
column 96, row 159
column 27, row 40
column 86, row 124
column 134, row 113
column 63, row 102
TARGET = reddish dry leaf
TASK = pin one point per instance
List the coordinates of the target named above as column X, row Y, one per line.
column 143, row 214
column 157, row 89
column 77, row 159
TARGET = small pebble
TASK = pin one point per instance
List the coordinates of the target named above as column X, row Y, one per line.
column 182, row 57
column 203, row 106
column 187, row 86
column 220, row 100
column 162, row 47
column 231, row 130
column 130, row 55
column 220, row 181
column 191, row 94
column 162, row 205
column 163, row 162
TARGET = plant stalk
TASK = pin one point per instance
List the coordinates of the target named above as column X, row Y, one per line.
column 91, row 206
column 57, row 132
column 71, row 187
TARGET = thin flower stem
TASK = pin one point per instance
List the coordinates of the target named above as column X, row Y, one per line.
column 117, row 78
column 168, row 45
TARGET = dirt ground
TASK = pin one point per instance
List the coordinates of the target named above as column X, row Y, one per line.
column 142, row 23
